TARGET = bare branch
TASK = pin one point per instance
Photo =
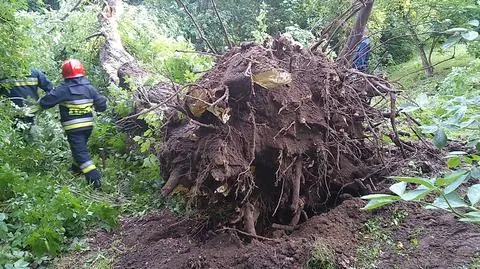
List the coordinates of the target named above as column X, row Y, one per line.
column 200, row 31
column 223, row 25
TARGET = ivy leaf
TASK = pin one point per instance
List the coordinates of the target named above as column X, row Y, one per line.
column 451, row 41
column 416, row 180
column 470, row 35
column 456, row 29
column 475, row 23
column 454, row 185
column 416, row 194
column 399, row 188
column 384, row 200
column 475, row 173
column 473, row 217
column 379, row 197
column 449, row 178
column 473, row 194
column 453, row 162
column 440, row 138
column 453, row 199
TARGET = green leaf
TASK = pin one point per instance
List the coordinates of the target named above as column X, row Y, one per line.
column 372, row 204
column 454, row 185
column 3, row 216
column 416, row 194
column 449, row 178
column 429, row 129
column 416, row 180
column 453, row 199
column 380, row 197
column 451, row 41
column 475, row 173
column 473, row 217
column 473, row 194
column 440, row 138
column 399, row 188
column 455, row 153
column 470, row 35
column 474, row 23
column 456, row 29
column 454, row 162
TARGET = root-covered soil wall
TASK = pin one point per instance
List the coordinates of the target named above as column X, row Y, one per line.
column 273, row 134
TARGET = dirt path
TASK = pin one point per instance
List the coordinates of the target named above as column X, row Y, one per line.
column 399, row 237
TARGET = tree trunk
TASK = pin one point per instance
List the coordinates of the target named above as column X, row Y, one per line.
column 427, row 65
column 347, row 53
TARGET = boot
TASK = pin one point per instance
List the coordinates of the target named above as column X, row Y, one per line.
column 93, row 178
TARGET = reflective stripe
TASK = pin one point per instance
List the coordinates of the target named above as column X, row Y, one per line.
column 20, row 82
column 70, row 122
column 81, row 106
column 78, row 125
column 88, row 168
column 85, row 164
column 79, row 102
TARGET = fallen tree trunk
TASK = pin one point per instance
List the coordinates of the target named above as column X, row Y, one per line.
column 124, row 71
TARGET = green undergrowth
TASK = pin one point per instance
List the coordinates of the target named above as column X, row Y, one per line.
column 43, row 208
column 376, row 237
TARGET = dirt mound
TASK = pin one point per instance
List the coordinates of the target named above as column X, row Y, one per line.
column 275, row 135
column 159, row 241
column 432, row 239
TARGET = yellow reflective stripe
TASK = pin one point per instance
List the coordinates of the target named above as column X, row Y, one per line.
column 78, row 125
column 18, row 82
column 88, row 168
column 26, row 83
column 80, row 106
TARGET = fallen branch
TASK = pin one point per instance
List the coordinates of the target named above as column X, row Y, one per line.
column 152, row 108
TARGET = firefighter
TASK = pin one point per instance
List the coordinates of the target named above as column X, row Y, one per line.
column 362, row 54
column 19, row 91
column 77, row 98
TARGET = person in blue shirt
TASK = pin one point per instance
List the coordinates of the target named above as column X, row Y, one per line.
column 362, row 53
column 77, row 99
column 21, row 90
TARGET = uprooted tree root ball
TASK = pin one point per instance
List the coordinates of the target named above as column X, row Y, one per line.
column 274, row 135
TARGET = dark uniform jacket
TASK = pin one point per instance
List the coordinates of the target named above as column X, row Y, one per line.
column 77, row 98
column 20, row 90
column 362, row 55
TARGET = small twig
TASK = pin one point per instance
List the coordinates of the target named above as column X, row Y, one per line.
column 200, row 31
column 199, row 52
column 222, row 24
column 248, row 234
column 94, row 35
column 204, row 125
column 283, row 130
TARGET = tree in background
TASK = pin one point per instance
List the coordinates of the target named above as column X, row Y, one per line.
column 423, row 22
column 14, row 39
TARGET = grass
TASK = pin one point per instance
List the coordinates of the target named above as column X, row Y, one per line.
column 321, row 257
column 417, row 82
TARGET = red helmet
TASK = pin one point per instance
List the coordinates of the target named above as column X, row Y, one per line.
column 72, row 68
